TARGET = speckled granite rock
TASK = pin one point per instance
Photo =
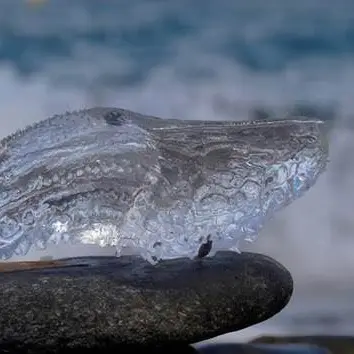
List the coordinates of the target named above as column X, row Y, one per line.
column 106, row 302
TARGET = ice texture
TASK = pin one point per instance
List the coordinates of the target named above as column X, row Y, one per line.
column 160, row 187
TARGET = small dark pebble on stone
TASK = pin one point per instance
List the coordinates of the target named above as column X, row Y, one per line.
column 113, row 304
column 205, row 248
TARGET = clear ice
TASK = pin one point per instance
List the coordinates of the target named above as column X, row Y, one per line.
column 159, row 187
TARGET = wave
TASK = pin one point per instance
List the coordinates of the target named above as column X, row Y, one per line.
column 260, row 37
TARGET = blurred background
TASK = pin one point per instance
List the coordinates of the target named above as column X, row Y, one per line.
column 201, row 59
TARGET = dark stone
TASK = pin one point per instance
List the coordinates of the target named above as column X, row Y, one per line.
column 335, row 344
column 205, row 248
column 107, row 302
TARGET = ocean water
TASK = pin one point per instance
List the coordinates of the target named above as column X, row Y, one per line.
column 206, row 59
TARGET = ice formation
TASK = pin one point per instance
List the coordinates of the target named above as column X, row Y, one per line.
column 161, row 187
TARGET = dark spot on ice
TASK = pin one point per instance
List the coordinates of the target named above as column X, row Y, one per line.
column 269, row 180
column 157, row 244
column 115, row 117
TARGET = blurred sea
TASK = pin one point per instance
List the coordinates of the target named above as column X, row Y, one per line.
column 206, row 59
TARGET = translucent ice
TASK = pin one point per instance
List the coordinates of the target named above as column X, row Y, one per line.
column 160, row 187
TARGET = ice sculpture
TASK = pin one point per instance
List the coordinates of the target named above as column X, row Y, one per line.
column 164, row 188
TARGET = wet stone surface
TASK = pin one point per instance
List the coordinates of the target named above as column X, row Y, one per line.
column 106, row 303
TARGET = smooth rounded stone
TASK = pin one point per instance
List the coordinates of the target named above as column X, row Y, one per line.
column 334, row 344
column 101, row 302
column 238, row 348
